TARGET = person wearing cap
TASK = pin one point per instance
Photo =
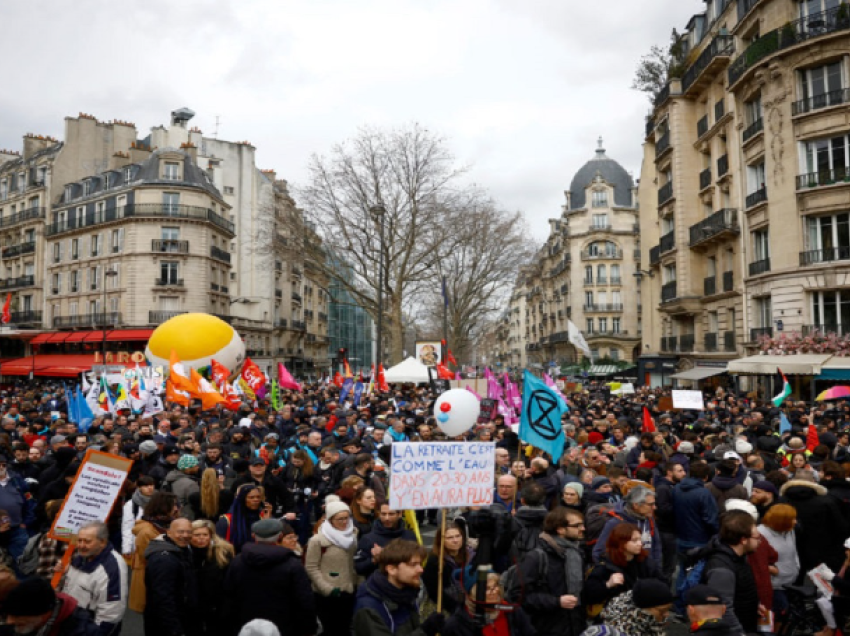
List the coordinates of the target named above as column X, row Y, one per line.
column 642, row 610
column 268, row 581
column 497, row 621
column 706, row 610
column 272, row 453
column 183, row 482
column 239, row 446
column 32, row 604
column 170, row 583
column 725, row 485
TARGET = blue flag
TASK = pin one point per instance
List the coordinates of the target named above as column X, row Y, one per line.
column 540, row 424
column 84, row 412
column 784, row 424
column 347, row 385
column 358, row 391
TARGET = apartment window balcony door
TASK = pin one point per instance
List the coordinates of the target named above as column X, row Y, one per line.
column 171, row 203
column 817, row 82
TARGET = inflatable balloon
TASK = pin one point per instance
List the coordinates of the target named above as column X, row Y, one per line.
column 456, row 411
column 197, row 339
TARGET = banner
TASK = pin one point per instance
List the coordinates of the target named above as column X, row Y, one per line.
column 254, row 378
column 285, row 378
column 441, row 474
column 92, row 495
column 688, row 400
column 540, row 424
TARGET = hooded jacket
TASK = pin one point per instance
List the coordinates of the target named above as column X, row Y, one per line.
column 622, row 513
column 71, row 620
column 380, row 535
column 172, row 591
column 526, row 525
column 696, row 514
column 732, row 576
column 268, row 581
column 382, row 609
column 183, row 485
column 725, row 488
column 821, row 526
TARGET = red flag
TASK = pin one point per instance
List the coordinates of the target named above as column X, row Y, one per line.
column 232, row 401
column 648, row 422
column 220, row 374
column 7, row 314
column 338, row 379
column 254, row 378
column 812, row 439
column 450, row 357
column 346, row 369
column 383, row 387
column 443, row 372
column 173, row 394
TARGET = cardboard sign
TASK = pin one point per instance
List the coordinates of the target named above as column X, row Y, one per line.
column 688, row 400
column 92, row 495
column 441, row 474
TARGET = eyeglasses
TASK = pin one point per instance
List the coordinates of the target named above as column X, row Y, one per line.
column 575, row 525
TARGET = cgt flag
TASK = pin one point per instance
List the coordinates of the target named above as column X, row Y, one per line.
column 540, row 424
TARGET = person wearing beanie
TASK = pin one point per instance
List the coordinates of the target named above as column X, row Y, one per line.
column 33, row 603
column 642, row 610
column 184, row 482
column 705, row 609
column 572, row 496
column 764, row 496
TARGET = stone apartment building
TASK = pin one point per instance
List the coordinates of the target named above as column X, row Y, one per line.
column 745, row 190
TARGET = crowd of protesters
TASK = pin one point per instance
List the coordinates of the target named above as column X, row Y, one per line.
column 272, row 521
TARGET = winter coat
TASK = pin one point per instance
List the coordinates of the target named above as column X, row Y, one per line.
column 145, row 532
column 452, row 592
column 623, row 614
column 172, row 590
column 715, row 627
column 664, row 505
column 268, row 581
column 595, row 589
column 100, row 586
column 760, row 562
column 526, row 526
column 131, row 514
column 821, row 526
column 215, row 619
column 71, row 620
column 732, row 576
column 381, row 536
column 725, row 488
column 329, row 566
column 840, row 489
column 785, row 544
column 382, row 609
column 696, row 515
column 462, row 623
column 183, row 485
column 622, row 513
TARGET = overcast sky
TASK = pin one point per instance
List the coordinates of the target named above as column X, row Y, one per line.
column 522, row 88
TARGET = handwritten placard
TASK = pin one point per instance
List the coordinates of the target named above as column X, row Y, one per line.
column 688, row 400
column 441, row 474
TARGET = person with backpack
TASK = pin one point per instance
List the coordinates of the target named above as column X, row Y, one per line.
column 637, row 507
column 549, row 581
column 695, row 514
column 527, row 523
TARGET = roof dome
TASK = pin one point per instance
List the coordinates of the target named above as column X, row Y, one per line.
column 613, row 173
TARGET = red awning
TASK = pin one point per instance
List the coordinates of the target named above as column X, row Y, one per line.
column 52, row 365
column 94, row 336
column 77, row 336
column 129, row 335
column 59, row 336
column 40, row 338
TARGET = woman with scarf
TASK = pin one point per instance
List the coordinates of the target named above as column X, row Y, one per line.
column 161, row 510
column 133, row 511
column 247, row 509
column 330, row 565
column 363, row 510
column 455, row 556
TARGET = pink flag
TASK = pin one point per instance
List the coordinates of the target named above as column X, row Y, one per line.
column 285, row 378
column 513, row 396
column 469, row 388
column 551, row 384
column 488, row 375
column 494, row 390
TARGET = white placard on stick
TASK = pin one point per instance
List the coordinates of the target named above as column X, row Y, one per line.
column 93, row 493
column 441, row 474
column 688, row 400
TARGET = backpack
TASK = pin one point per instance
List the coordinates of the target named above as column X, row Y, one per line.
column 28, row 561
column 594, row 521
column 524, row 542
column 693, row 577
column 514, row 586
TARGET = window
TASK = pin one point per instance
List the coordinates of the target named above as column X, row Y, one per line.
column 752, row 111
column 711, row 266
column 94, row 278
column 171, row 203
column 668, row 274
column 600, row 198
column 57, row 252
column 761, row 245
column 87, row 187
column 96, row 247
column 29, row 269
column 73, row 308
column 826, row 160
column 170, row 233
column 616, row 298
column 810, row 9
column 169, row 272
column 755, row 177
column 57, row 283
column 93, row 305
column 820, row 86
column 830, row 235
column 713, row 322
column 75, row 280
column 831, row 309
column 228, row 190
column 594, row 354
column 614, row 354
column 615, row 274
column 590, row 325
column 128, row 174
column 75, row 249
column 116, row 240
column 588, row 273
column 600, row 220
column 764, row 312
column 588, row 298
column 615, row 325
column 601, row 274
column 603, row 325
column 171, row 171
column 603, row 248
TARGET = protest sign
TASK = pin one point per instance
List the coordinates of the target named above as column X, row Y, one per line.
column 665, row 403
column 441, row 474
column 92, row 495
column 688, row 400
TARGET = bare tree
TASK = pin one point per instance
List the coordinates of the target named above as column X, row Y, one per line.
column 412, row 174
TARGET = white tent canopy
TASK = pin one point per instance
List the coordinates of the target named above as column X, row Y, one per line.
column 410, row 370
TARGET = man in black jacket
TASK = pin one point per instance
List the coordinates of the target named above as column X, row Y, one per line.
column 268, row 581
column 385, row 528
column 527, row 523
column 282, row 501
column 674, row 472
column 172, row 589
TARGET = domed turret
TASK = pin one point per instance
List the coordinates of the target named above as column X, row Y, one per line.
column 611, row 171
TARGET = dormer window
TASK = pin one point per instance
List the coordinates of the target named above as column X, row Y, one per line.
column 87, row 187
column 128, row 174
column 171, row 171
column 600, row 198
column 69, row 192
column 106, row 183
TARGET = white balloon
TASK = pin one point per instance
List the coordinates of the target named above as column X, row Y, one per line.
column 462, row 414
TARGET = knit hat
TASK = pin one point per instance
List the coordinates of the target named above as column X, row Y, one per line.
column 32, row 597
column 148, row 447
column 766, row 486
column 743, row 447
column 598, row 482
column 334, row 508
column 187, row 462
column 595, row 437
column 651, row 593
column 267, row 528
column 703, row 595
column 259, row 627
column 686, row 448
column 577, row 486
column 744, row 505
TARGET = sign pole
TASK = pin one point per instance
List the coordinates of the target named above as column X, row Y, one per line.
column 442, row 553
column 63, row 566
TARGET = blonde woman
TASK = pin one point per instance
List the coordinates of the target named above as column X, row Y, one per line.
column 212, row 556
column 213, row 500
column 330, row 566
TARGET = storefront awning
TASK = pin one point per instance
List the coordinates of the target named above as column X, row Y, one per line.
column 836, row 369
column 40, row 338
column 59, row 336
column 129, row 335
column 52, row 365
column 94, row 336
column 602, row 369
column 698, row 373
column 77, row 336
column 801, row 364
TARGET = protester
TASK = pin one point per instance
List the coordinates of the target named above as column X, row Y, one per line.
column 211, row 557
column 212, row 499
column 386, row 528
column 706, row 612
column 172, row 600
column 134, row 509
column 456, row 555
column 642, row 610
column 160, row 511
column 363, row 510
column 497, row 621
column 777, row 528
column 247, row 509
column 638, row 508
column 32, row 604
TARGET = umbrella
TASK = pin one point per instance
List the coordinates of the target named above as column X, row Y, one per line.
column 835, row 393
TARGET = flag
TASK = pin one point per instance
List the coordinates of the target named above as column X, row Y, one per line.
column 784, row 424
column 84, row 412
column 413, row 524
column 445, row 294
column 578, row 340
column 450, row 357
column 71, row 404
column 358, row 393
column 179, row 377
column 347, row 385
column 443, row 372
column 104, row 399
column 512, row 395
column 488, row 375
column 254, row 378
column 338, row 379
column 122, row 398
column 219, row 373
column 648, row 422
column 371, row 380
column 92, row 398
column 175, row 395
column 551, row 384
column 470, row 389
column 275, row 396
column 540, row 424
column 246, row 389
column 507, row 412
column 812, row 439
column 86, row 383
column 494, row 389
column 209, row 396
column 154, row 404
column 7, row 313
column 383, row 387
column 232, row 401
column 779, row 398
column 285, row 378
column 346, row 369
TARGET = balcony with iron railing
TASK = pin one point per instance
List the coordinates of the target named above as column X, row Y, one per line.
column 19, row 217
column 669, row 344
column 824, row 178
column 813, row 26
column 818, row 102
column 296, row 297
column 139, row 211
column 709, row 285
column 655, row 255
column 20, row 281
column 603, row 307
column 705, row 179
column 159, row 316
column 759, row 196
column 722, row 166
column 760, row 267
column 14, row 251
column 827, row 255
column 650, row 126
column 720, row 225
column 719, row 110
column 667, row 242
column 687, row 342
column 728, row 281
column 710, row 62
column 668, row 291
column 169, row 282
column 215, row 287
column 808, row 330
column 612, row 254
column 600, row 227
column 170, row 246
column 665, row 193
column 744, row 7
column 25, row 317
column 662, row 145
column 753, row 129
column 109, row 319
column 702, row 126
column 760, row 332
column 219, row 254
column 710, row 342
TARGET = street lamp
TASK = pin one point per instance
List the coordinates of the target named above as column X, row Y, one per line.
column 107, row 273
column 379, row 212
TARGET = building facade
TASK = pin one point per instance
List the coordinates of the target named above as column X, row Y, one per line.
column 745, row 190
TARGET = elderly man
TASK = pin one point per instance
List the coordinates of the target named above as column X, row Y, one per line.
column 637, row 507
column 172, row 587
column 506, row 491
column 503, row 462
column 30, row 606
